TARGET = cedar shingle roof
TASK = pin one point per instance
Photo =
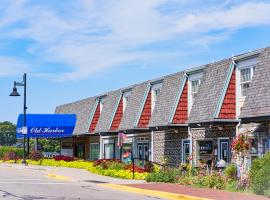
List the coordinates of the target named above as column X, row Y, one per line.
column 134, row 106
column 110, row 101
column 166, row 100
column 257, row 103
column 210, row 91
column 82, row 109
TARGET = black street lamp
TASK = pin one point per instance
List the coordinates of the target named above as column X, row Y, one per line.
column 14, row 93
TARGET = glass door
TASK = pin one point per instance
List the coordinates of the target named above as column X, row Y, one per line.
column 109, row 151
column 143, row 153
column 185, row 151
column 79, row 150
column 224, row 150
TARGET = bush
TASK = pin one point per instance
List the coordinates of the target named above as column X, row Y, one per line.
column 230, row 172
column 5, row 149
column 36, row 155
column 260, row 175
column 166, row 176
column 149, row 166
column 116, row 166
column 215, row 181
column 11, row 155
column 64, row 158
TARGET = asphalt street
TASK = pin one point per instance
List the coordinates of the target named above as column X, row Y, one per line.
column 19, row 182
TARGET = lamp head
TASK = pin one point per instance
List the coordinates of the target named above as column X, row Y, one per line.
column 14, row 93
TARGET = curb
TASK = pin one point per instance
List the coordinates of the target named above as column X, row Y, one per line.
column 166, row 195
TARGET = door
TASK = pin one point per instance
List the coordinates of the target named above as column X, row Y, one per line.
column 109, row 151
column 143, row 152
column 185, row 151
column 79, row 150
column 224, row 153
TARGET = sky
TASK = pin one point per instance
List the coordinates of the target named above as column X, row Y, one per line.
column 72, row 50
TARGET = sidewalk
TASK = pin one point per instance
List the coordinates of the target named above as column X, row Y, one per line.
column 197, row 192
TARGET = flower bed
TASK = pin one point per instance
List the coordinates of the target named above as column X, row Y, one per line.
column 115, row 168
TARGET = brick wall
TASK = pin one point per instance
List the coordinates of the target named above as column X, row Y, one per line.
column 181, row 113
column 118, row 116
column 146, row 113
column 167, row 144
column 228, row 108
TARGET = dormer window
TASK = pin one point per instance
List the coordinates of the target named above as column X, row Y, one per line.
column 194, row 84
column 101, row 104
column 245, row 80
column 245, row 69
column 126, row 98
column 155, row 90
column 195, row 87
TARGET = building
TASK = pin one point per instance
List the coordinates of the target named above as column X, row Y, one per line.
column 190, row 114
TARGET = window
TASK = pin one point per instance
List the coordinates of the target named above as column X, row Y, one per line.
column 126, row 98
column 101, row 104
column 156, row 89
column 109, row 151
column 94, row 151
column 195, row 87
column 245, row 80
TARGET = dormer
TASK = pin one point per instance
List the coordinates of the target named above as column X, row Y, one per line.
column 98, row 107
column 245, row 67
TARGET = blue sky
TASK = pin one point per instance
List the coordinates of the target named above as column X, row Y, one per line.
column 76, row 49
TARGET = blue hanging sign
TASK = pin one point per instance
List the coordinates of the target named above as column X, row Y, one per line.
column 46, row 125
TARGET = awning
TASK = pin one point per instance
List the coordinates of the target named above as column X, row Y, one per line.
column 46, row 125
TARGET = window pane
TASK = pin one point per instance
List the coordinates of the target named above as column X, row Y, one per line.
column 94, row 151
column 245, row 75
column 244, row 89
column 195, row 86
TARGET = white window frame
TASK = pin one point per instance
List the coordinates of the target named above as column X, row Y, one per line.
column 182, row 148
column 252, row 62
column 126, row 96
column 154, row 94
column 191, row 78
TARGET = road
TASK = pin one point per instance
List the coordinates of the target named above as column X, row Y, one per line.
column 19, row 182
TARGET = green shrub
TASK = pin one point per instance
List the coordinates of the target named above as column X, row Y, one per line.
column 166, row 176
column 215, row 181
column 231, row 186
column 189, row 180
column 116, row 166
column 230, row 172
column 260, row 175
column 5, row 149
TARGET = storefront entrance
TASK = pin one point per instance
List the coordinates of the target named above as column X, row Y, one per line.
column 224, row 151
column 143, row 152
column 79, row 150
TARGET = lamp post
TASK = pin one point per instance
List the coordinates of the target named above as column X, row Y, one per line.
column 14, row 93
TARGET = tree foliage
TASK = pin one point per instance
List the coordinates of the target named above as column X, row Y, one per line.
column 7, row 133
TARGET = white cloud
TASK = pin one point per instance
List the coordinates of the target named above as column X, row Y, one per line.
column 92, row 36
column 10, row 66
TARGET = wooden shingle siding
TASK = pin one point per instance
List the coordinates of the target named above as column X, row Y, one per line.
column 181, row 113
column 95, row 119
column 146, row 113
column 228, row 108
column 118, row 116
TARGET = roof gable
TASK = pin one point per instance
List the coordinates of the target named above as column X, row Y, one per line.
column 146, row 112
column 257, row 102
column 210, row 91
column 167, row 100
column 109, row 103
column 118, row 115
column 95, row 118
column 134, row 106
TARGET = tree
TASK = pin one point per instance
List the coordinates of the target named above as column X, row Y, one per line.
column 7, row 133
